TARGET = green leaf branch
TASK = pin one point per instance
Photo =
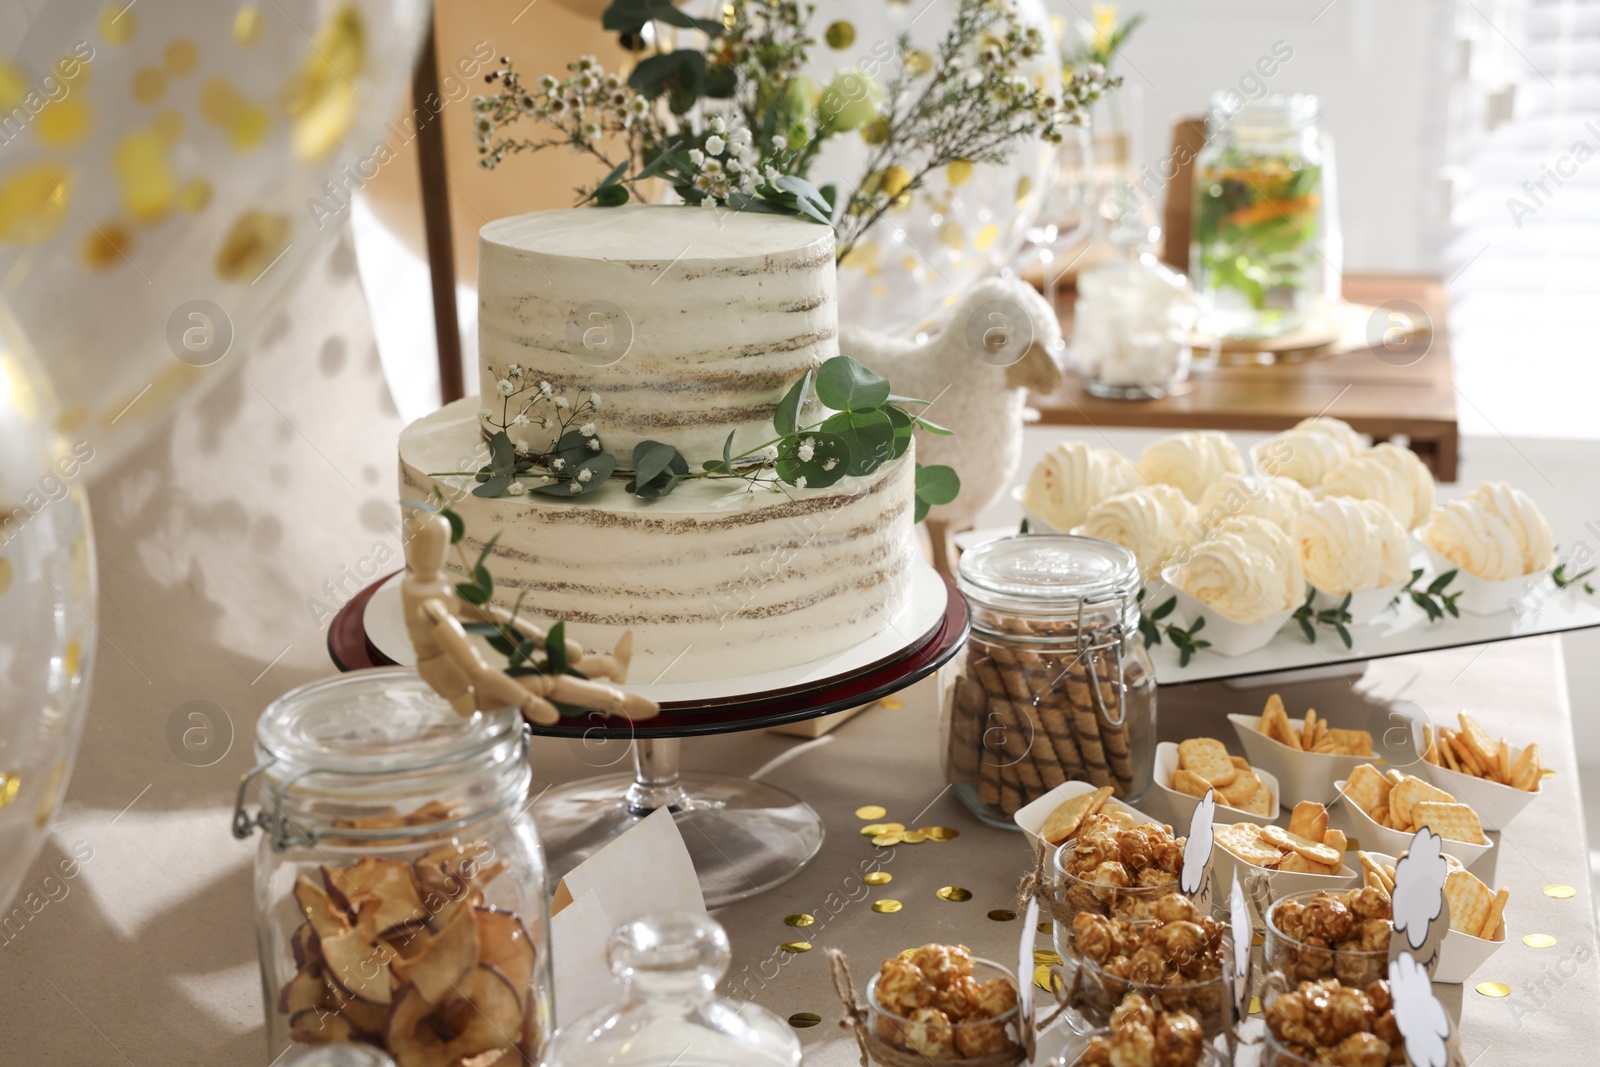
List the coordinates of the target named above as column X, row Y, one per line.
column 1432, row 599
column 1152, row 629
column 1336, row 618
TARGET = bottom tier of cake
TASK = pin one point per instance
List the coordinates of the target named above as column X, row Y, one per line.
column 715, row 580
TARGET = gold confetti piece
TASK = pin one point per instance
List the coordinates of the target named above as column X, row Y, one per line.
column 799, row 919
column 1002, row 915
column 1255, row 1005
column 877, row 878
column 895, row 704
column 1549, row 772
column 180, row 56
column 873, row 829
column 1539, row 941
column 913, row 837
column 1560, row 892
column 1047, row 927
column 116, row 23
column 940, row 833
column 1493, row 989
column 840, row 34
column 955, row 894
column 871, row 811
column 886, row 907
column 1042, row 977
column 1044, row 956
column 10, row 785
column 886, row 840
column 800, row 1020
column 252, row 244
column 1257, row 938
column 796, row 946
column 105, row 245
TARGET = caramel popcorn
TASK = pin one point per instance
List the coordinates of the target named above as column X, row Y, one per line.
column 1114, row 869
column 1343, row 935
column 932, row 1004
column 1174, row 956
column 1325, row 1022
column 1143, row 1037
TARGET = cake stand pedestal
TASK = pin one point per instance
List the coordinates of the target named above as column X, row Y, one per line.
column 744, row 836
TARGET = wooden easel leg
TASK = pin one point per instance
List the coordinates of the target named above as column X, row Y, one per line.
column 939, row 542
column 436, row 219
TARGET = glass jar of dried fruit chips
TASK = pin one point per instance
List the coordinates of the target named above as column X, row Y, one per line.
column 400, row 888
column 1054, row 684
column 1261, row 218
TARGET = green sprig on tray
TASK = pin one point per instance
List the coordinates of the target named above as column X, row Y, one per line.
column 1563, row 580
column 1338, row 618
column 1184, row 640
column 1433, row 599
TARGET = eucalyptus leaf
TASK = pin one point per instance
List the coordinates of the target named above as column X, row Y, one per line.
column 933, row 427
column 495, row 485
column 845, row 385
column 830, row 458
column 937, row 484
column 555, row 648
column 502, row 453
column 786, row 419
column 869, row 436
column 472, row 594
column 630, row 16
column 611, row 196
column 920, row 510
column 650, row 458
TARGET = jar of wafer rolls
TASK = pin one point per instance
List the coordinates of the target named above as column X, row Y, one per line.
column 1054, row 684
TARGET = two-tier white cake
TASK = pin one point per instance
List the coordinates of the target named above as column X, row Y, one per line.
column 688, row 326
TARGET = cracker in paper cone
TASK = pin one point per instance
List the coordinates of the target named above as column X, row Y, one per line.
column 1351, row 742
column 1491, row 925
column 1189, row 783
column 1260, row 802
column 1470, row 901
column 1453, row 822
column 1315, row 851
column 1527, row 771
column 1062, row 824
column 1241, row 789
column 1206, row 757
column 1478, row 740
column 1309, row 820
column 1295, row 863
column 1243, row 839
column 1275, row 723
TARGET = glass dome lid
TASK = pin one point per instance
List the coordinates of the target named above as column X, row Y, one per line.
column 1041, row 571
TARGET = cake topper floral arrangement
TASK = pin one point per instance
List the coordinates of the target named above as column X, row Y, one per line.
column 737, row 125
column 865, row 426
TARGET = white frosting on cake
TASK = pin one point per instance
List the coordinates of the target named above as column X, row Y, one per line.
column 715, row 581
column 688, row 325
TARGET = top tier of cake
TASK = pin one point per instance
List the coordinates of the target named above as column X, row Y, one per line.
column 687, row 323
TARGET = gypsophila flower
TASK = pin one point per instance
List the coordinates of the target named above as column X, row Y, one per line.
column 770, row 173
column 830, row 463
column 715, row 145
column 560, row 402
column 547, row 423
column 594, row 401
column 516, row 489
column 545, row 388
column 558, row 464
column 587, row 429
column 594, row 444
column 800, row 482
column 574, row 488
column 504, row 387
column 807, row 449
column 769, row 454
column 522, row 420
column 585, row 475
column 514, row 371
column 740, row 138
column 697, row 157
column 717, row 125
column 484, row 415
column 780, row 143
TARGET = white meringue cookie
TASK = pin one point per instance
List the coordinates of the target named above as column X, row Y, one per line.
column 1347, row 545
column 1246, row 570
column 1389, row 474
column 1191, row 461
column 1154, row 522
column 1071, row 478
column 1495, row 532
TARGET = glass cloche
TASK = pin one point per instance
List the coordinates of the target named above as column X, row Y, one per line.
column 670, row 965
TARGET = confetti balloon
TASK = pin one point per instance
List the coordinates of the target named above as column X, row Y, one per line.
column 167, row 168
column 966, row 222
column 47, row 607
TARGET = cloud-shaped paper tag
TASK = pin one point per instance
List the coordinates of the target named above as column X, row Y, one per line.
column 1418, row 1013
column 1419, row 887
column 1197, row 849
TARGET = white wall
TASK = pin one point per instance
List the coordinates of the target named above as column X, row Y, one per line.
column 1371, row 63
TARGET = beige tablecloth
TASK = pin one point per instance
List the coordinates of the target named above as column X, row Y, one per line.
column 226, row 543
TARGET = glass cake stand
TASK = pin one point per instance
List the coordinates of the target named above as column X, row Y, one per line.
column 744, row 836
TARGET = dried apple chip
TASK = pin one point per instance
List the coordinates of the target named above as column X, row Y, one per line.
column 445, row 960
column 503, row 942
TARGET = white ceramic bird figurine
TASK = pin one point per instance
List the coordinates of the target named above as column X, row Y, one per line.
column 1001, row 340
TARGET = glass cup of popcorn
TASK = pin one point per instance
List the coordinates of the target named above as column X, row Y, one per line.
column 941, row 1003
column 1320, row 934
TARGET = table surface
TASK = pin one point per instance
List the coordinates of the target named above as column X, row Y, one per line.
column 1377, row 393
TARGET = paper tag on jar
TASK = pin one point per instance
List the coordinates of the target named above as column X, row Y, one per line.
column 1431, row 1039
column 1025, row 1021
column 1243, row 935
column 1421, row 909
column 1195, row 880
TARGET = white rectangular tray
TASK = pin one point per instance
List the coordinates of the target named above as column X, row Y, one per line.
column 1396, row 632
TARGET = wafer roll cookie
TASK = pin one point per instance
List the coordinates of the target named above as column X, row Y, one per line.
column 966, row 729
column 1114, row 738
column 1005, row 737
column 1086, row 728
column 1019, row 683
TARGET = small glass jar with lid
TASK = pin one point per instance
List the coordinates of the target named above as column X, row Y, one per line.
column 1261, row 211
column 1054, row 684
column 1132, row 323
column 401, row 897
column 670, row 1015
